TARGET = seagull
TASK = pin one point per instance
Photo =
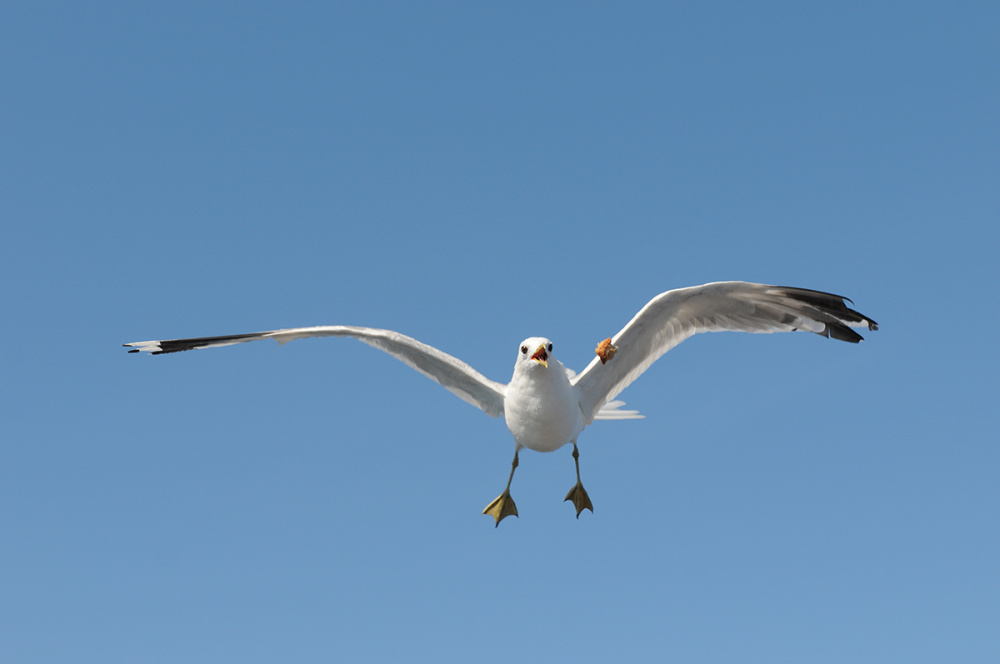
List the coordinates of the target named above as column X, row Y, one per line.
column 545, row 405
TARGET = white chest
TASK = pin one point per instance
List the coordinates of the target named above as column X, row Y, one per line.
column 542, row 409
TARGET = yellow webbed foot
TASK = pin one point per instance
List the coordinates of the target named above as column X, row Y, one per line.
column 581, row 500
column 502, row 507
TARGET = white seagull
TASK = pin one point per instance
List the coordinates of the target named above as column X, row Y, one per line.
column 546, row 405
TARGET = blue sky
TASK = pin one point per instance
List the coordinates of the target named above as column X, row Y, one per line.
column 471, row 174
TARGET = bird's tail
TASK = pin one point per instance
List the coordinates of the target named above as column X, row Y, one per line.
column 610, row 411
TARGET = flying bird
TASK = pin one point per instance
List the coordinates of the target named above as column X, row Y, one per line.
column 545, row 405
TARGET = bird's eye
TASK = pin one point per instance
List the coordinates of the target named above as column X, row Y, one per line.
column 550, row 348
column 524, row 350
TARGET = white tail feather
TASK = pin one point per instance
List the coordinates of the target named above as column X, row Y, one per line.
column 610, row 411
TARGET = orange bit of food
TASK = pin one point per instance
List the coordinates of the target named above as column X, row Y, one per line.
column 606, row 351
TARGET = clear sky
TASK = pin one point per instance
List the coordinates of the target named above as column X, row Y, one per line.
column 471, row 174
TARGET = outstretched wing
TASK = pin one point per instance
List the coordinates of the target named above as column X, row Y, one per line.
column 451, row 373
column 738, row 306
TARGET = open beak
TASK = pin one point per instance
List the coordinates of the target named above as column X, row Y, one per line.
column 541, row 356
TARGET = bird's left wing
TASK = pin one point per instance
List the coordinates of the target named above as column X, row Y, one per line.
column 673, row 316
column 449, row 372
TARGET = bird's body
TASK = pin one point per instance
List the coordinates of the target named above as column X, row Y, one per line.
column 541, row 407
column 545, row 406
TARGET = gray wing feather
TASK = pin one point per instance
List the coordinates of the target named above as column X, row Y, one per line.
column 671, row 317
column 451, row 373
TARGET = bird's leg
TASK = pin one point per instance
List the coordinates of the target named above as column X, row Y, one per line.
column 503, row 505
column 578, row 494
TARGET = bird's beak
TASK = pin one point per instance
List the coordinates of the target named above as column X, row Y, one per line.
column 541, row 356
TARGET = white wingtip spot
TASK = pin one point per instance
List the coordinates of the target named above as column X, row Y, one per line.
column 143, row 346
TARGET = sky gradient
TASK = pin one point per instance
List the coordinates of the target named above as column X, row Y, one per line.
column 471, row 174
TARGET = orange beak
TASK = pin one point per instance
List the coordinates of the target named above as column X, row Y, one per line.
column 541, row 356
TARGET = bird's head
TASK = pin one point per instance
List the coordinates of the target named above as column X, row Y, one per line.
column 534, row 351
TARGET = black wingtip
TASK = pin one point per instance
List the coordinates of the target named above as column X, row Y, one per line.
column 181, row 345
column 842, row 333
column 833, row 311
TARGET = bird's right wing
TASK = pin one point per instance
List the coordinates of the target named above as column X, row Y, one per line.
column 449, row 372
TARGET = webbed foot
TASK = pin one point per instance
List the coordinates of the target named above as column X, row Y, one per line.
column 581, row 500
column 502, row 507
